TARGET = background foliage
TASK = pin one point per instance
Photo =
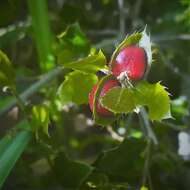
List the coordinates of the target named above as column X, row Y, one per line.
column 69, row 151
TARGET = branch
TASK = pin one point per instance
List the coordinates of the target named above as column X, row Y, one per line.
column 121, row 18
column 114, row 135
column 45, row 79
column 147, row 126
column 146, row 173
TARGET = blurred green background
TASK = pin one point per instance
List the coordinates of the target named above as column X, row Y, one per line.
column 79, row 154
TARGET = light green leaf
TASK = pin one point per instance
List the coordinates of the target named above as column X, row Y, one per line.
column 40, row 119
column 144, row 188
column 76, row 87
column 119, row 100
column 11, row 149
column 90, row 64
column 7, row 75
column 155, row 97
column 125, row 100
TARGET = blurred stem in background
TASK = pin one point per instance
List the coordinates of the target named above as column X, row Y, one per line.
column 42, row 33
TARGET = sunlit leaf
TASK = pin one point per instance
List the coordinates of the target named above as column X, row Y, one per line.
column 144, row 188
column 7, row 74
column 156, row 98
column 73, row 44
column 90, row 64
column 119, row 100
column 125, row 100
column 40, row 119
column 76, row 87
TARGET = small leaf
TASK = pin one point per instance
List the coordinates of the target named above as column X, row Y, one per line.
column 40, row 119
column 144, row 188
column 7, row 75
column 129, row 40
column 119, row 100
column 73, row 44
column 76, row 87
column 90, row 64
column 146, row 44
column 155, row 97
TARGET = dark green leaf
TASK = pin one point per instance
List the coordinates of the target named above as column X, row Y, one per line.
column 12, row 33
column 73, row 44
column 123, row 162
column 4, row 143
column 11, row 149
column 70, row 173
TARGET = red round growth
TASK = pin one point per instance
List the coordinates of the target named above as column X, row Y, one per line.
column 132, row 60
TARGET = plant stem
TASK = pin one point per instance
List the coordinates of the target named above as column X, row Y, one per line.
column 150, row 133
column 121, row 18
column 114, row 135
column 21, row 105
column 45, row 79
column 146, row 166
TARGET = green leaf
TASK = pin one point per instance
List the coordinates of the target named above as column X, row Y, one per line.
column 119, row 100
column 124, row 162
column 98, row 118
column 42, row 33
column 76, row 87
column 40, row 119
column 145, row 43
column 155, row 97
column 4, row 143
column 144, row 188
column 70, row 173
column 10, row 150
column 125, row 100
column 73, row 44
column 7, row 74
column 90, row 64
column 12, row 33
column 129, row 40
